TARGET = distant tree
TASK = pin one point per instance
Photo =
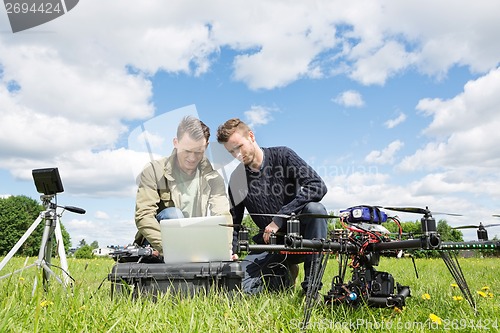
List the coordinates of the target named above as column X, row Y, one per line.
column 407, row 227
column 82, row 243
column 447, row 233
column 84, row 252
column 17, row 214
column 94, row 245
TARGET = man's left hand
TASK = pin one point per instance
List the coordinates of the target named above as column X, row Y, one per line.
column 270, row 228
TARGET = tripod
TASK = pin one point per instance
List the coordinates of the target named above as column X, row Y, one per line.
column 52, row 228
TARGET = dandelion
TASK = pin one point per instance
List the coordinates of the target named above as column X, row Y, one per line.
column 454, row 285
column 457, row 298
column 397, row 310
column 485, row 288
column 490, row 295
column 426, row 296
column 482, row 293
column 435, row 319
column 21, row 278
column 46, row 303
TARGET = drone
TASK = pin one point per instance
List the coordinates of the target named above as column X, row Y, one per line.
column 361, row 244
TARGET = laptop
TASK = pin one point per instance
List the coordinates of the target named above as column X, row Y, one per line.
column 196, row 239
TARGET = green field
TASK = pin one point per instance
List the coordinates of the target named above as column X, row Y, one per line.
column 88, row 307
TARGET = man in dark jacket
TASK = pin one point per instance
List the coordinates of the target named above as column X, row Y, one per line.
column 272, row 181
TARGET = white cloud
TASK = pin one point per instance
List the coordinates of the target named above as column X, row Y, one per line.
column 349, row 98
column 258, row 115
column 391, row 123
column 377, row 67
column 107, row 173
column 464, row 128
column 371, row 44
column 385, row 156
column 101, row 215
column 152, row 139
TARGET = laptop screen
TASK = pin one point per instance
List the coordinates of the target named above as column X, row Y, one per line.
column 196, row 239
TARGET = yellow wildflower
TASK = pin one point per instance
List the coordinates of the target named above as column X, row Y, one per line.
column 21, row 278
column 426, row 296
column 454, row 285
column 490, row 295
column 485, row 288
column 397, row 310
column 46, row 303
column 435, row 319
column 482, row 293
column 457, row 298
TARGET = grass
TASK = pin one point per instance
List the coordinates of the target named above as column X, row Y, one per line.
column 88, row 307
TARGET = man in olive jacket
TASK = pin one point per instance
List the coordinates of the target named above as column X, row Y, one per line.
column 181, row 185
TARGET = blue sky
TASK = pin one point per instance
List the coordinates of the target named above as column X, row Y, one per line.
column 393, row 103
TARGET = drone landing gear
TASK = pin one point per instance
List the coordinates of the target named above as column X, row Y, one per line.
column 367, row 286
column 451, row 261
column 315, row 277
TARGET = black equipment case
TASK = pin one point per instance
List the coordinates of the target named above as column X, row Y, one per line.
column 186, row 279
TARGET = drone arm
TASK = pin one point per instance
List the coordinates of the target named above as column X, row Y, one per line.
column 400, row 245
column 268, row 247
column 301, row 245
column 487, row 245
column 320, row 244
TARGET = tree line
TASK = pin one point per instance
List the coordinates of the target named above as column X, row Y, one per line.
column 17, row 214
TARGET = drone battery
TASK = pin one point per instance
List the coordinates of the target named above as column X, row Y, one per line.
column 186, row 279
column 367, row 214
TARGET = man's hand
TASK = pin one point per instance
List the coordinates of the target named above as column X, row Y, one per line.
column 270, row 228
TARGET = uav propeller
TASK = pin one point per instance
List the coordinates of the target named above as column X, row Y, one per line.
column 480, row 226
column 482, row 234
column 417, row 210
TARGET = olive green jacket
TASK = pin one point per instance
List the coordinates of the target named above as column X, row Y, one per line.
column 158, row 190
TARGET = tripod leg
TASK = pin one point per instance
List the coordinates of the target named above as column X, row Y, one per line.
column 62, row 253
column 21, row 241
column 45, row 253
column 18, row 271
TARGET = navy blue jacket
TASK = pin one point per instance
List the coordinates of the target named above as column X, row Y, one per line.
column 284, row 185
